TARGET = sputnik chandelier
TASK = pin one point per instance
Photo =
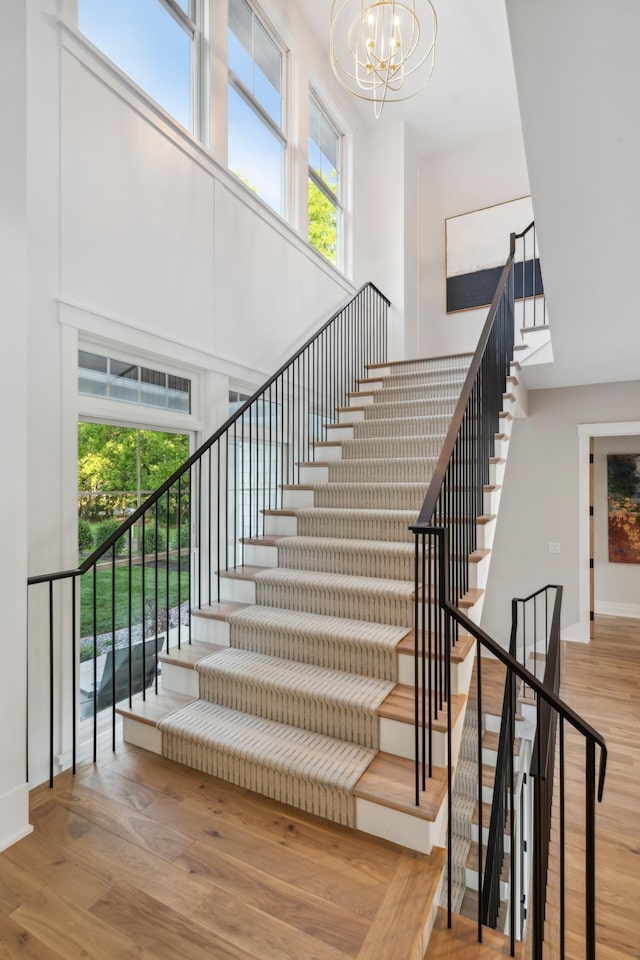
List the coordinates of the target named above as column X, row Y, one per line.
column 380, row 49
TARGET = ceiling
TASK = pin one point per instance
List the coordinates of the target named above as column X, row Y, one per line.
column 472, row 92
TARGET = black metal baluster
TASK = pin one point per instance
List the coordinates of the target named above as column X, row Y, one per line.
column 143, row 574
column 51, row 683
column 130, row 613
column 562, row 844
column 95, row 663
column 113, row 648
column 74, row 668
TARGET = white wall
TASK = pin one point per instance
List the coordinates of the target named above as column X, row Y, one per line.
column 617, row 585
column 14, row 813
column 539, row 502
column 471, row 177
column 578, row 77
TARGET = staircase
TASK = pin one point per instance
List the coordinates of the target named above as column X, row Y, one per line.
column 299, row 681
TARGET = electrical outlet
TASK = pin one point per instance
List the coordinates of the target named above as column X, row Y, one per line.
column 554, row 548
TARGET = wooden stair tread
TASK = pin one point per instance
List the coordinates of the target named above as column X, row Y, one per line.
column 351, row 409
column 459, row 653
column 267, row 540
column 219, row 610
column 470, row 598
column 190, row 654
column 327, row 443
column 490, row 741
column 486, row 816
column 241, row 573
column 280, row 512
column 397, row 928
column 472, row 861
column 390, row 781
column 297, row 486
column 154, row 708
column 461, row 941
column 301, row 463
column 400, row 706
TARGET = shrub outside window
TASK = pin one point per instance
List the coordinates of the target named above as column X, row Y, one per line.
column 325, row 210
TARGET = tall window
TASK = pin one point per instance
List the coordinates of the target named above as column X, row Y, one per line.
column 324, row 184
column 153, row 41
column 256, row 135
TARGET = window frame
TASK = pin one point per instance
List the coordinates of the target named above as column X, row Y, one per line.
column 279, row 132
column 337, row 198
column 192, row 24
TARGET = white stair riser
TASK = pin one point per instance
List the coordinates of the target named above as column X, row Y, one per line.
column 496, row 473
column 373, row 384
column 398, row 827
column 478, row 573
column 502, row 446
column 346, row 416
column 460, row 673
column 339, row 432
column 237, row 591
column 485, row 534
column 399, row 739
column 280, row 526
column 178, row 679
column 490, row 757
column 292, row 499
column 260, row 555
column 312, row 473
column 208, row 630
column 360, row 400
column 491, row 501
column 328, row 454
column 141, row 735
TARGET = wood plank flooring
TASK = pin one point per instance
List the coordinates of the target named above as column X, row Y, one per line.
column 601, row 680
column 139, row 857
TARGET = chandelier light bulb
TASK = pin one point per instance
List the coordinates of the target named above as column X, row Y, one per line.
column 383, row 50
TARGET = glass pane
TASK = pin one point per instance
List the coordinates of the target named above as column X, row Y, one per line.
column 153, row 388
column 179, row 394
column 240, row 62
column 148, row 44
column 241, row 23
column 256, row 155
column 314, row 122
column 329, row 143
column 328, row 173
column 315, row 157
column 123, row 382
column 268, row 57
column 323, row 223
column 92, row 374
column 268, row 97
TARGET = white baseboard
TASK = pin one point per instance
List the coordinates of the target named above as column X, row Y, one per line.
column 612, row 609
column 14, row 816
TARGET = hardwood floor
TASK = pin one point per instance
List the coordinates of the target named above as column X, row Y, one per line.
column 601, row 680
column 139, row 857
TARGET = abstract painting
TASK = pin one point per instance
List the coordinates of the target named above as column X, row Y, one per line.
column 477, row 246
column 623, row 492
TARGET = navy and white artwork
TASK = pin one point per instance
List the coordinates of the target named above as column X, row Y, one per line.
column 477, row 246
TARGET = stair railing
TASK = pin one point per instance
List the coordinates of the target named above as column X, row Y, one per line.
column 535, row 640
column 168, row 555
column 446, row 540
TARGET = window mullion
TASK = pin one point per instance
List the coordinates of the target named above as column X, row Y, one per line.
column 181, row 17
column 251, row 101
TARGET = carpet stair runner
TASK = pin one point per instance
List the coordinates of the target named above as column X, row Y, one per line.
column 290, row 703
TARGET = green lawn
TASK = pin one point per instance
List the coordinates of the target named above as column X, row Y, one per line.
column 104, row 596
